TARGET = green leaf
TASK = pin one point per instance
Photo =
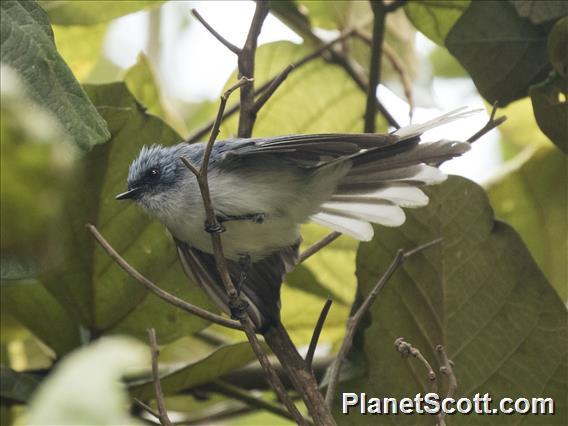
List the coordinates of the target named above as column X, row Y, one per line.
column 445, row 65
column 80, row 47
column 532, row 197
column 479, row 293
column 550, row 105
column 35, row 308
column 85, row 387
column 27, row 46
column 540, row 11
column 504, row 54
column 72, row 12
column 556, row 46
column 88, row 283
column 15, row 386
column 435, row 18
column 141, row 81
column 223, row 360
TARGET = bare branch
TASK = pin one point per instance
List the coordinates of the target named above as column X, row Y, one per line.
column 246, row 69
column 491, row 124
column 153, row 288
column 317, row 331
column 215, row 34
column 406, row 350
column 379, row 13
column 274, row 85
column 314, row 248
column 447, row 369
column 227, row 389
column 154, row 351
column 147, row 408
column 234, row 298
column 355, row 319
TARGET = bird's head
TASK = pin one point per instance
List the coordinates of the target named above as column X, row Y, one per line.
column 153, row 176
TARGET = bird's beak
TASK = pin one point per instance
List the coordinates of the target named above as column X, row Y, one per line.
column 131, row 194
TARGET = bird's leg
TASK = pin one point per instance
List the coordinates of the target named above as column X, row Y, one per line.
column 237, row 309
column 217, row 228
column 253, row 217
column 245, row 263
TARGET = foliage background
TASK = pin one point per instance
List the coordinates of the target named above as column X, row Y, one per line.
column 493, row 293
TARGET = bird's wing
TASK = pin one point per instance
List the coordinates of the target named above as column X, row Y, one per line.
column 307, row 150
column 261, row 288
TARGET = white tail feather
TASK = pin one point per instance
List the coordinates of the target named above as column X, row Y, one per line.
column 399, row 193
column 358, row 229
column 384, row 213
column 417, row 129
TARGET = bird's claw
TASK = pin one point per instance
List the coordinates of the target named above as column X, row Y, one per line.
column 238, row 308
column 214, row 228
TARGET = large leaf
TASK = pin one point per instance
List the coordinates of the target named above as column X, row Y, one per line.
column 532, row 197
column 35, row 308
column 80, row 47
column 89, row 283
column 549, row 101
column 434, row 19
column 503, row 53
column 72, row 12
column 479, row 293
column 540, row 11
column 28, row 46
column 85, row 388
column 219, row 362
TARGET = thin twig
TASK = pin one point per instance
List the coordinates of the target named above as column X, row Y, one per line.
column 314, row 248
column 246, row 62
column 274, row 85
column 398, row 66
column 147, row 408
column 153, row 288
column 406, row 350
column 447, row 369
column 355, row 319
column 490, row 125
column 317, row 331
column 155, row 352
column 221, row 264
column 379, row 13
column 215, row 34
column 317, row 53
column 227, row 389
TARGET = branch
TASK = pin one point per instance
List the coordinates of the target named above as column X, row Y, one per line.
column 274, row 85
column 379, row 13
column 221, row 264
column 317, row 53
column 147, row 408
column 317, row 331
column 246, row 61
column 490, row 125
column 153, row 288
column 314, row 248
column 215, row 34
column 447, row 368
column 355, row 320
column 406, row 350
column 224, row 388
column 163, row 413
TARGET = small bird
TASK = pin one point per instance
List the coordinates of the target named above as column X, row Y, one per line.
column 263, row 189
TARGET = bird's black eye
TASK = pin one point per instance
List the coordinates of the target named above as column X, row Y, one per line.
column 153, row 174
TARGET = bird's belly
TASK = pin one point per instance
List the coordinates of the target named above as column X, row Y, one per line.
column 242, row 238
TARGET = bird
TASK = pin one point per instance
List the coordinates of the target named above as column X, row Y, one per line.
column 264, row 188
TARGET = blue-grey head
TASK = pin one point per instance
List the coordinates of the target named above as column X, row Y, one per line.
column 155, row 173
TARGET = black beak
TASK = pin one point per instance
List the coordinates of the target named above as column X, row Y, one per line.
column 131, row 194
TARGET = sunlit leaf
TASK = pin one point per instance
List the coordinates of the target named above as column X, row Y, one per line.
column 503, row 53
column 532, row 197
column 88, row 282
column 28, row 47
column 479, row 293
column 85, row 387
column 80, row 47
column 435, row 18
column 72, row 12
column 219, row 362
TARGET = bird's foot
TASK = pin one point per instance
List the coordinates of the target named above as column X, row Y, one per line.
column 238, row 308
column 254, row 217
column 216, row 228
